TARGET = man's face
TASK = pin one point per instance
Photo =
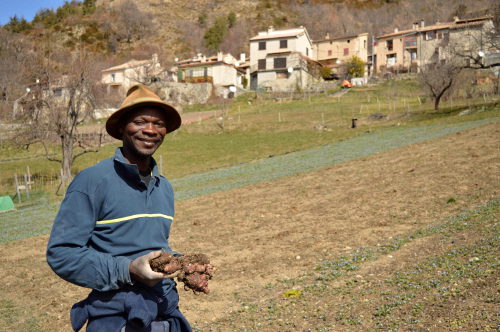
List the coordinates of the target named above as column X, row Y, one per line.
column 143, row 132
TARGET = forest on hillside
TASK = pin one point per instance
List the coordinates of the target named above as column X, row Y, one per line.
column 124, row 28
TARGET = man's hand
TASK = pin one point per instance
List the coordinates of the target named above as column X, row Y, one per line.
column 140, row 270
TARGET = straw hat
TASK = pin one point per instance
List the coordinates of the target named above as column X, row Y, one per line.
column 141, row 96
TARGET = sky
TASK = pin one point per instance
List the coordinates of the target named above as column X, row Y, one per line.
column 24, row 8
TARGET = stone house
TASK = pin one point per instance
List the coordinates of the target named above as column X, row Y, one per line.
column 119, row 79
column 282, row 60
column 334, row 52
column 407, row 50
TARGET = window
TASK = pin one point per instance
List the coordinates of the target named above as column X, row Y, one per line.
column 279, row 62
column 364, row 43
column 284, row 43
column 113, row 78
column 346, row 51
column 262, row 64
column 58, row 92
column 329, row 52
column 430, row 35
column 391, row 60
column 389, row 45
column 307, row 51
column 262, row 45
column 411, row 41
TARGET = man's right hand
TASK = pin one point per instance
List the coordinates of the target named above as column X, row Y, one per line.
column 141, row 271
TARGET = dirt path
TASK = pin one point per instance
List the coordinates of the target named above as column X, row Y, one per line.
column 281, row 229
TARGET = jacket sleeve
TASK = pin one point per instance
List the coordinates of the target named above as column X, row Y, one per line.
column 72, row 259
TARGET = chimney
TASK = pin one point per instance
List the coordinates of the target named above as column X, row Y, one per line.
column 242, row 57
column 327, row 36
column 219, row 56
column 415, row 26
column 422, row 23
column 204, row 58
column 155, row 58
column 396, row 30
column 455, row 19
column 270, row 29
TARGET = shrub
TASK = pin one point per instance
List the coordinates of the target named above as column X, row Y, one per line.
column 355, row 67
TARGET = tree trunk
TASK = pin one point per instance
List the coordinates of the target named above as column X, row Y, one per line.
column 67, row 157
column 436, row 103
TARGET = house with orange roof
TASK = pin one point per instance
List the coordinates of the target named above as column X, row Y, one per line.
column 282, row 60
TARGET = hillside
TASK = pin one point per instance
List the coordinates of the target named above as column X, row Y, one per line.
column 174, row 28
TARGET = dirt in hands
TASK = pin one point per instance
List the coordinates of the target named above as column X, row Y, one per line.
column 193, row 270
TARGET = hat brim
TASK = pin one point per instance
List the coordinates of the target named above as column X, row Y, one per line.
column 114, row 122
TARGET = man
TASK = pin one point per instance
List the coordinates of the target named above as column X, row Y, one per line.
column 114, row 219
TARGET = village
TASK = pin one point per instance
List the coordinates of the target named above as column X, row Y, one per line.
column 289, row 60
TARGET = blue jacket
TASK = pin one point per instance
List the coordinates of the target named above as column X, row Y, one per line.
column 108, row 218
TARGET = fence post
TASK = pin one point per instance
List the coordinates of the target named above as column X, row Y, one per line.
column 27, row 186
column 18, row 192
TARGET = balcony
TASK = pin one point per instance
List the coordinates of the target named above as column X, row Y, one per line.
column 198, row 79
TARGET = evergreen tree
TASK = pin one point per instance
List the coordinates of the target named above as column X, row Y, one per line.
column 215, row 34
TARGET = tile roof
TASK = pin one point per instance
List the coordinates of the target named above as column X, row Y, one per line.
column 276, row 34
column 447, row 25
column 129, row 64
column 340, row 38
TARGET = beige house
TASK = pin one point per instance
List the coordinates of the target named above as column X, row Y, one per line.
column 407, row 50
column 120, row 78
column 333, row 52
column 222, row 70
column 282, row 60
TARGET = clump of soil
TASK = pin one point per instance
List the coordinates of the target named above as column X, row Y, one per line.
column 193, row 270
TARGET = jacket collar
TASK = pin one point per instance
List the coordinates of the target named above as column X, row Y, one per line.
column 131, row 171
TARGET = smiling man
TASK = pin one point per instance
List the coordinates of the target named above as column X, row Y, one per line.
column 114, row 219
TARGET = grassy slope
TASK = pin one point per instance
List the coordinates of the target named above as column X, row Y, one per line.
column 265, row 127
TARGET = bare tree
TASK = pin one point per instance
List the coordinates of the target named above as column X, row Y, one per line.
column 236, row 38
column 14, row 51
column 64, row 95
column 439, row 78
column 131, row 22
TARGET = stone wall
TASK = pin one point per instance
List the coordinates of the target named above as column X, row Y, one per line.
column 185, row 93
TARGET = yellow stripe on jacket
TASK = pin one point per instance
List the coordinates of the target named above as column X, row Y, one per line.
column 135, row 216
